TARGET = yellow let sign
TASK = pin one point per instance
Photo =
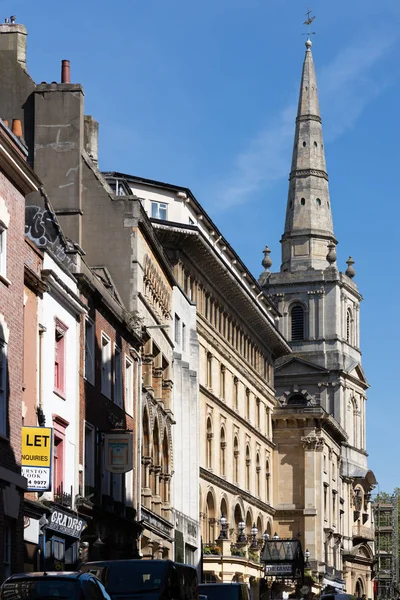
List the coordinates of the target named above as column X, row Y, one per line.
column 36, row 446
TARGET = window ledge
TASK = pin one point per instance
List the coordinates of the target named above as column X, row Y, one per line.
column 5, row 280
column 60, row 394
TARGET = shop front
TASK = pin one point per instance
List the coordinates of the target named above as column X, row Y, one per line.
column 59, row 538
column 283, row 567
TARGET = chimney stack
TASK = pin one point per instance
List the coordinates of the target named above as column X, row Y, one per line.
column 65, row 71
column 13, row 39
column 16, row 128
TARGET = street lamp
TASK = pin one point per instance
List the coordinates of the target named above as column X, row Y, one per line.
column 241, row 537
column 254, row 531
column 265, row 536
column 275, row 536
column 223, row 535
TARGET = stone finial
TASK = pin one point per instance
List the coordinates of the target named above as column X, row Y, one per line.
column 331, row 256
column 266, row 261
column 350, row 272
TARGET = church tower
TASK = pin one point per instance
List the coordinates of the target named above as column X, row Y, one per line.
column 324, row 483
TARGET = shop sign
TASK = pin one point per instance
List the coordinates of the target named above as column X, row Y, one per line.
column 118, row 452
column 67, row 524
column 36, row 453
column 282, row 569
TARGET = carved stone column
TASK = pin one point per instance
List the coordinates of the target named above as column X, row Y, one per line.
column 157, row 383
column 167, row 386
column 312, row 474
column 166, row 505
column 156, row 499
column 147, row 369
column 146, row 489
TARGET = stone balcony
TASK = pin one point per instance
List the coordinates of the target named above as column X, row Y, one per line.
column 363, row 532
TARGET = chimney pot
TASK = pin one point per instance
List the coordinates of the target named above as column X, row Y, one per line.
column 65, row 71
column 5, row 121
column 17, row 128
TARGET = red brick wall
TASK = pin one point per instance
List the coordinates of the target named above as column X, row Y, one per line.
column 95, row 407
column 11, row 309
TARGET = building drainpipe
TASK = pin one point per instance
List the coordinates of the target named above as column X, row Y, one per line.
column 139, row 436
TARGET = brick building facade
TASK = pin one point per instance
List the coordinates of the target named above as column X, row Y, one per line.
column 110, row 371
column 16, row 180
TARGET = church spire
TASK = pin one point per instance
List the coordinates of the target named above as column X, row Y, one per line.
column 308, row 235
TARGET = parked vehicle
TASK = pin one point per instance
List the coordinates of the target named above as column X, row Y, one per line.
column 147, row 579
column 58, row 585
column 338, row 596
column 225, row 591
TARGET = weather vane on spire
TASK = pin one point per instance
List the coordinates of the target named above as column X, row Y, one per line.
column 308, row 22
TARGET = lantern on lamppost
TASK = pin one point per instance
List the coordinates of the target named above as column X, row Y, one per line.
column 241, row 539
column 223, row 534
column 254, row 531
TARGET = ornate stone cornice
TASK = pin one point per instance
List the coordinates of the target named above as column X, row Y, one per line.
column 308, row 173
column 309, row 117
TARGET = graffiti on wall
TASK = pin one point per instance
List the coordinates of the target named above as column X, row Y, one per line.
column 42, row 230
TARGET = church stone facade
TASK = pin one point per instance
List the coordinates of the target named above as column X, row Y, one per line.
column 322, row 486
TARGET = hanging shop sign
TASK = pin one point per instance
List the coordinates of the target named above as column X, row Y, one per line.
column 118, row 452
column 66, row 524
column 37, row 445
column 284, row 569
column 283, row 558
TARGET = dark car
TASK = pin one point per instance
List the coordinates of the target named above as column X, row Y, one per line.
column 53, row 586
column 225, row 591
column 145, row 579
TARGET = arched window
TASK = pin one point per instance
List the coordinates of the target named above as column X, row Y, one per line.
column 249, row 524
column 355, row 422
column 258, row 470
column 267, row 481
column 297, row 400
column 165, row 468
column 236, row 392
column 236, row 459
column 349, row 327
column 209, row 370
column 222, row 452
column 297, row 323
column 210, row 518
column 222, row 382
column 146, row 435
column 224, row 511
column 155, row 456
column 248, row 461
column 247, row 404
column 209, row 439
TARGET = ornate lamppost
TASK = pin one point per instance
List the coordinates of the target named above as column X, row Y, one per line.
column 241, row 539
column 223, row 534
column 254, row 532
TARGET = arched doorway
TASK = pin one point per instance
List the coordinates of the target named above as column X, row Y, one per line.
column 359, row 591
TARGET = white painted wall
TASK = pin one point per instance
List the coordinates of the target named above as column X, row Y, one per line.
column 185, row 482
column 53, row 306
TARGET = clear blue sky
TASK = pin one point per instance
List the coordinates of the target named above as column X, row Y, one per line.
column 203, row 94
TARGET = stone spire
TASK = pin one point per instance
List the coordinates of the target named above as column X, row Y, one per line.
column 308, row 236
